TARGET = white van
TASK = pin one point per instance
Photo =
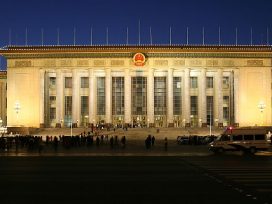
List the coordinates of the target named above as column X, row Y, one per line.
column 250, row 139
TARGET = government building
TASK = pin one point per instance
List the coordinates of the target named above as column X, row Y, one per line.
column 137, row 86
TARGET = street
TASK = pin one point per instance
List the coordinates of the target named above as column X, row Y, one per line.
column 135, row 179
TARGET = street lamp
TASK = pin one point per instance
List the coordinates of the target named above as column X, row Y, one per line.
column 17, row 108
column 261, row 107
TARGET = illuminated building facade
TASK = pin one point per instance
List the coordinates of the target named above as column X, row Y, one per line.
column 151, row 86
column 3, row 98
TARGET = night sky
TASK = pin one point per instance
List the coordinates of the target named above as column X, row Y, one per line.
column 117, row 15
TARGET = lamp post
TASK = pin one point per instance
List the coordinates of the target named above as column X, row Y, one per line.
column 17, row 108
column 261, row 107
column 200, row 122
column 71, row 127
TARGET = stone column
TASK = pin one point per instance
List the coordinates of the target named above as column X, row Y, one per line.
column 59, row 99
column 150, row 97
column 127, row 97
column 91, row 97
column 186, row 90
column 75, row 98
column 108, row 96
column 202, row 98
column 236, row 95
column 42, row 73
column 170, row 98
column 220, row 95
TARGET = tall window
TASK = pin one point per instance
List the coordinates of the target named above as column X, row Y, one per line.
column 160, row 95
column 101, row 96
column 193, row 82
column 84, row 82
column 52, row 113
column 84, row 106
column 177, row 95
column 138, row 89
column 209, row 81
column 68, row 106
column 68, row 82
column 118, row 96
column 194, row 105
column 225, row 82
column 52, row 82
column 210, row 110
column 226, row 109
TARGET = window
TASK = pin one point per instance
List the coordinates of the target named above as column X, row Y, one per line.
column 84, row 82
column 259, row 137
column 177, row 96
column 237, row 137
column 193, row 82
column 52, row 113
column 101, row 96
column 210, row 110
column 248, row 137
column 52, row 99
column 209, row 82
column 225, row 82
column 84, row 106
column 68, row 82
column 118, row 96
column 68, row 106
column 52, row 82
column 194, row 105
column 160, row 95
column 139, row 95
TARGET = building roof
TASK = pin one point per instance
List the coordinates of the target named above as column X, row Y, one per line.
column 50, row 51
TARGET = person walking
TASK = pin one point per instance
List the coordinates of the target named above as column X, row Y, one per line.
column 153, row 140
column 165, row 144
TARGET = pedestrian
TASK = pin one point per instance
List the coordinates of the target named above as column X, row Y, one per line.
column 153, row 140
column 111, row 142
column 123, row 141
column 97, row 141
column 165, row 144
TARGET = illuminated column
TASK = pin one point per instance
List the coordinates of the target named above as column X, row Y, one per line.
column 236, row 95
column 108, row 95
column 59, row 96
column 42, row 72
column 186, row 91
column 91, row 97
column 75, row 98
column 150, row 96
column 170, row 97
column 202, row 102
column 220, row 94
column 127, row 96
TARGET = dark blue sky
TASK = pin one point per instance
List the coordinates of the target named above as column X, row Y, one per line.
column 117, row 15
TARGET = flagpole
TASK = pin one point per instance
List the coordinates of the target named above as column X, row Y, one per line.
column 9, row 36
column 203, row 35
column 74, row 36
column 150, row 33
column 251, row 41
column 26, row 36
column 267, row 36
column 58, row 36
column 187, row 36
column 127, row 35
column 42, row 35
column 139, row 29
column 91, row 35
column 170, row 36
column 219, row 35
column 107, row 36
column 236, row 36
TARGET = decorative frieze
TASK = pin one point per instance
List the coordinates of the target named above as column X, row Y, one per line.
column 212, row 63
column 117, row 63
column 23, row 63
column 228, row 63
column 178, row 62
column 82, row 63
column 195, row 63
column 254, row 63
column 65, row 62
column 161, row 62
column 99, row 63
column 50, row 63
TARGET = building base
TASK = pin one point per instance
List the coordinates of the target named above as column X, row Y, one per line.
column 22, row 130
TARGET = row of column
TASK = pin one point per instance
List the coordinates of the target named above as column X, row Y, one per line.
column 202, row 107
